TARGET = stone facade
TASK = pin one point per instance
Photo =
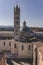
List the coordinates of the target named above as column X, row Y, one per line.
column 2, row 59
column 38, row 53
column 21, row 49
column 18, row 49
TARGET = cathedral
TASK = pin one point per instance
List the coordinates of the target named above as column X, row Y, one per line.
column 18, row 47
column 25, row 31
column 22, row 45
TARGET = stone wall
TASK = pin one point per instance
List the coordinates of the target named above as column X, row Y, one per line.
column 16, row 48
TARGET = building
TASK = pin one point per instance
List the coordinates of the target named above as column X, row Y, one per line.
column 18, row 49
column 2, row 58
column 14, row 46
column 38, row 53
column 17, row 44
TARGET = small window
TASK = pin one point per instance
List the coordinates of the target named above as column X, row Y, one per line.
column 35, row 49
column 16, row 30
column 22, row 47
column 29, row 47
column 42, row 58
column 16, row 22
column 16, row 33
column 14, row 45
column 9, row 44
column 17, row 17
column 4, row 43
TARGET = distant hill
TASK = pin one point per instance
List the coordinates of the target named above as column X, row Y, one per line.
column 11, row 28
column 6, row 28
column 37, row 29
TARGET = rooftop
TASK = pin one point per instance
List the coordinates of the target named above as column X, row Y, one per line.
column 1, row 54
column 39, row 44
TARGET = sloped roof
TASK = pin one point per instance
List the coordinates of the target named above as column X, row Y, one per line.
column 39, row 44
column 26, row 29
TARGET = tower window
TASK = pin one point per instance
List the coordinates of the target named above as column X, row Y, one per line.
column 17, row 17
column 22, row 47
column 4, row 43
column 9, row 44
column 16, row 30
column 16, row 22
column 14, row 45
column 16, row 33
column 16, row 13
column 29, row 47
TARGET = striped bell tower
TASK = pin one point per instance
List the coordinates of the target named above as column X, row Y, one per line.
column 16, row 22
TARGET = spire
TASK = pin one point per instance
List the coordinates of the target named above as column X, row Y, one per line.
column 16, row 3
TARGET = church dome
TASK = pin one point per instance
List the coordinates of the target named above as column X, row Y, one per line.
column 26, row 32
column 25, row 28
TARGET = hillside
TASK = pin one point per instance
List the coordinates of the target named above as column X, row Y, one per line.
column 11, row 28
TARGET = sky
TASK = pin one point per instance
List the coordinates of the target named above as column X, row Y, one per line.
column 30, row 10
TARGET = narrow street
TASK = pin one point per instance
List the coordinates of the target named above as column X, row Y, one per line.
column 17, row 62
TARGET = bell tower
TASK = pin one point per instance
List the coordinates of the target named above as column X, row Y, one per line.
column 16, row 22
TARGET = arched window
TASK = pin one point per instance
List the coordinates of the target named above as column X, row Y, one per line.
column 17, row 17
column 14, row 45
column 16, row 33
column 22, row 47
column 16, row 30
column 9, row 43
column 4, row 43
column 29, row 47
column 16, row 22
